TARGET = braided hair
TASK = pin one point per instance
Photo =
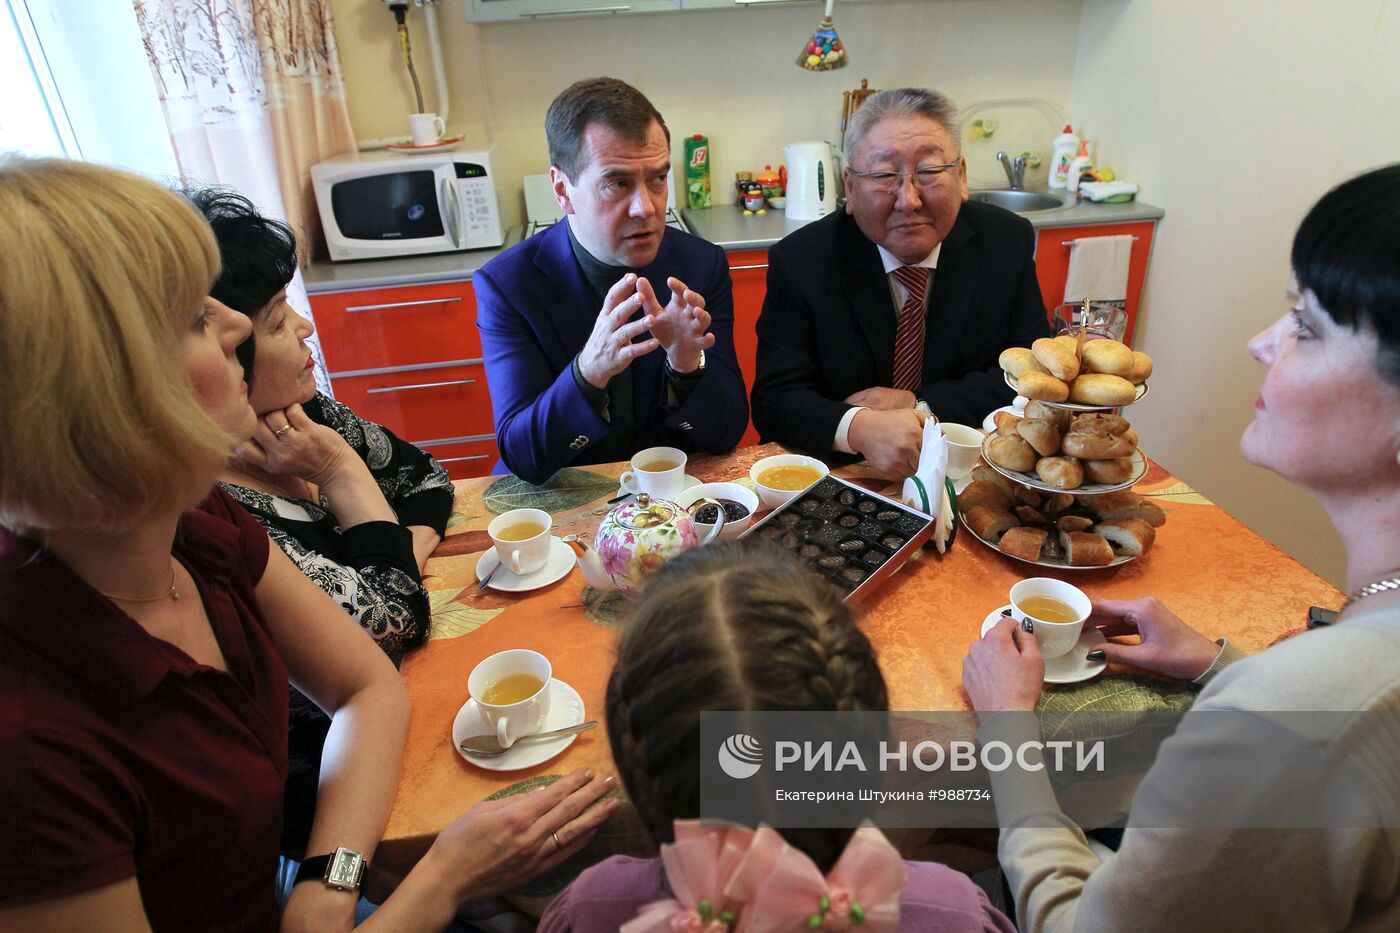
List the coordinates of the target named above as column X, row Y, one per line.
column 731, row 626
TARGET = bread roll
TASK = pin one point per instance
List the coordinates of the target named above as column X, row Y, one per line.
column 1069, row 342
column 1028, row 515
column 1102, row 389
column 1058, row 360
column 1108, row 472
column 1107, row 356
column 1042, row 435
column 1095, row 446
column 1097, row 422
column 1125, row 504
column 1041, row 386
column 1060, row 472
column 1057, row 502
column 1127, row 535
column 1083, row 549
column 985, row 474
column 988, row 523
column 1025, row 542
column 1131, row 437
column 1142, row 368
column 1040, row 411
column 1029, row 496
column 1068, row 523
column 980, row 492
column 1011, row 453
column 1006, row 422
column 1018, row 360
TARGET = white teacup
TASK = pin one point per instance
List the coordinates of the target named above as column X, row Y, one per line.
column 1054, row 638
column 522, row 555
column 659, row 484
column 525, row 716
column 426, row 128
column 964, row 448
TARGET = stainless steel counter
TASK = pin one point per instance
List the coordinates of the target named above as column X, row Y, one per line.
column 727, row 226
column 326, row 276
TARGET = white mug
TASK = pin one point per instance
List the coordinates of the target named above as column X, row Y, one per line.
column 525, row 555
column 513, row 720
column 659, row 484
column 964, row 448
column 426, row 128
column 1054, row 638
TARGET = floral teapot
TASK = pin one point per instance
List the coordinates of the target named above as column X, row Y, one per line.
column 636, row 538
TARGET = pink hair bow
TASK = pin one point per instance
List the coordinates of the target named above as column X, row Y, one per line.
column 754, row 882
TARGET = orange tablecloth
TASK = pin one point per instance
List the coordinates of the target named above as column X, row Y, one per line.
column 1211, row 570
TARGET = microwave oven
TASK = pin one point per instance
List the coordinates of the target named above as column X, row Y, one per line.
column 377, row 205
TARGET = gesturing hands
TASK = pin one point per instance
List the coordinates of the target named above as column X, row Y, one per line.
column 610, row 349
column 681, row 326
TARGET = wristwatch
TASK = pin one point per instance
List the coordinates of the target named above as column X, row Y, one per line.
column 695, row 373
column 343, row 869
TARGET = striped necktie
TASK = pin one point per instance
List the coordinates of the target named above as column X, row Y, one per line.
column 909, row 338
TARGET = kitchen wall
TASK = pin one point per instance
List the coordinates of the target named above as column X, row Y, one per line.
column 727, row 73
column 1235, row 117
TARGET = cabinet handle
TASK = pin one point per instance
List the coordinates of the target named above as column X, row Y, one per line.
column 424, row 385
column 742, row 268
column 760, row 2
column 461, row 459
column 1072, row 242
column 577, row 11
column 402, row 304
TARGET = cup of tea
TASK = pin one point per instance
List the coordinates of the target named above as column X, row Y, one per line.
column 1055, row 609
column 964, row 448
column 657, row 471
column 511, row 689
column 522, row 538
column 426, row 128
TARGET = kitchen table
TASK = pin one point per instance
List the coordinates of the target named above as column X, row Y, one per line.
column 1215, row 573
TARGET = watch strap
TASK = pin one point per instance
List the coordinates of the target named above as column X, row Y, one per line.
column 343, row 869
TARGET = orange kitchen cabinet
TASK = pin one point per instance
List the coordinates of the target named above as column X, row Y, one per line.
column 749, row 271
column 1052, row 262
column 409, row 358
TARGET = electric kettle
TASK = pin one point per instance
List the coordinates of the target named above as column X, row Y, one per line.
column 811, row 183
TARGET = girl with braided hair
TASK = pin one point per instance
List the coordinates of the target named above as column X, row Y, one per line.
column 738, row 627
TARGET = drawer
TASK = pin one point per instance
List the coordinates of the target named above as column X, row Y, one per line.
column 375, row 328
column 464, row 457
column 422, row 402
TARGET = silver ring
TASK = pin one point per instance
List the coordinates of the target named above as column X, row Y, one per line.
column 557, row 843
column 283, row 430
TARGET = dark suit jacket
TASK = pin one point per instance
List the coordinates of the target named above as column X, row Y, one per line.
column 535, row 312
column 828, row 324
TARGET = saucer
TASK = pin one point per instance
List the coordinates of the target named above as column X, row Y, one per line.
column 556, row 567
column 1070, row 667
column 442, row 145
column 686, row 483
column 565, row 710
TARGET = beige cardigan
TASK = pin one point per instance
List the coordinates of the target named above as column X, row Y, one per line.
column 1239, row 879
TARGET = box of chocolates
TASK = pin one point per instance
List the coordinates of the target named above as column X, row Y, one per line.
column 848, row 535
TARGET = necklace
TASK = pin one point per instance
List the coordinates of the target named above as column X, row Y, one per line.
column 172, row 593
column 1371, row 589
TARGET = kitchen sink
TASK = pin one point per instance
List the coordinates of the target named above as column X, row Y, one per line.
column 1022, row 202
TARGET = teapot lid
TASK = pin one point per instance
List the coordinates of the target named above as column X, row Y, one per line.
column 645, row 512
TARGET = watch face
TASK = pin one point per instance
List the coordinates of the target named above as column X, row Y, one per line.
column 345, row 869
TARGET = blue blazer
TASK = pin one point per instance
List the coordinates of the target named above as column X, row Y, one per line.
column 535, row 312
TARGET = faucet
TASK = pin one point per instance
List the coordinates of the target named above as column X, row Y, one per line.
column 1015, row 170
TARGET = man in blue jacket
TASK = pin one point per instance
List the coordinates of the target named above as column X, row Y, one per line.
column 584, row 362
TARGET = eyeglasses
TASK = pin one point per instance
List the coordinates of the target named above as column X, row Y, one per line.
column 925, row 178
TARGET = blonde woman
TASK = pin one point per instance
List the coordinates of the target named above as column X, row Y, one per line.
column 147, row 629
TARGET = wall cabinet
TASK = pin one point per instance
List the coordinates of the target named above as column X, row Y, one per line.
column 409, row 358
column 495, row 11
column 1052, row 252
column 749, row 271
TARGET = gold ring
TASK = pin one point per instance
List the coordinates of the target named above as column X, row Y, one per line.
column 557, row 843
column 283, row 430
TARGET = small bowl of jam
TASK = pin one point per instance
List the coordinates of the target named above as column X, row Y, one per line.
column 739, row 504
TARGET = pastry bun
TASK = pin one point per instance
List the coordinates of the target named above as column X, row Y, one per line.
column 1060, row 472
column 1011, row 452
column 1084, row 549
column 1107, row 356
column 1058, row 360
column 1108, row 472
column 1025, row 542
column 1102, row 389
column 988, row 523
column 985, row 474
column 1019, row 360
column 1039, row 411
column 1042, row 435
column 1127, row 535
column 1125, row 504
column 1035, row 385
column 1096, row 446
column 1098, row 423
column 1005, row 422
column 1142, row 368
column 980, row 492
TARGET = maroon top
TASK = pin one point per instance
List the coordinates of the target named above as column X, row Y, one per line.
column 609, row 894
column 123, row 757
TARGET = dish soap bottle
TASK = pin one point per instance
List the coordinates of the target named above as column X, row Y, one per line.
column 1081, row 166
column 1064, row 148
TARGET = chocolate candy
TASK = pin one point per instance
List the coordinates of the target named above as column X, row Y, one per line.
column 872, row 530
column 848, row 521
column 827, row 534
column 908, row 524
column 828, row 510
column 847, row 497
column 867, row 507
column 788, row 519
column 791, row 540
column 831, row 562
column 809, row 551
column 826, row 488
column 770, row 533
column 854, row 574
column 873, row 556
column 808, row 505
column 851, row 546
column 888, row 515
column 893, row 542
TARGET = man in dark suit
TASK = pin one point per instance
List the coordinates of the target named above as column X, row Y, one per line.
column 583, row 362
column 899, row 306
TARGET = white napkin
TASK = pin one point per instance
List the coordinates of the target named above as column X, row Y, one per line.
column 925, row 489
column 1098, row 269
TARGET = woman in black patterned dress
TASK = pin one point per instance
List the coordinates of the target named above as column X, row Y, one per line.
column 353, row 506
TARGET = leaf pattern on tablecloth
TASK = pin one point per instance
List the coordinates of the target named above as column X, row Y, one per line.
column 605, row 608
column 452, row 619
column 459, row 518
column 1124, row 694
column 1180, row 492
column 567, row 489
